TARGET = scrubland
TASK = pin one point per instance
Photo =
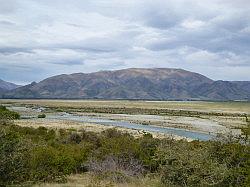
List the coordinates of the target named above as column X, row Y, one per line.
column 45, row 156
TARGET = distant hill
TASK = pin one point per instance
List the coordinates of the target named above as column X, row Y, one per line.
column 2, row 91
column 6, row 86
column 134, row 83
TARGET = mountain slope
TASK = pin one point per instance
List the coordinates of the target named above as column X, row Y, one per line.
column 135, row 83
column 223, row 90
column 4, row 86
column 244, row 85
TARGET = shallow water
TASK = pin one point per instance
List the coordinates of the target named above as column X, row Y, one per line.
column 124, row 124
column 90, row 119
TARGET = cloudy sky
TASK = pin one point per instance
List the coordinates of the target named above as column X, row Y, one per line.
column 41, row 38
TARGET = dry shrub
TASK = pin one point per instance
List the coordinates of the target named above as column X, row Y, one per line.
column 116, row 169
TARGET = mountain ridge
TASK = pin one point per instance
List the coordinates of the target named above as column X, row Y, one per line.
column 5, row 86
column 134, row 83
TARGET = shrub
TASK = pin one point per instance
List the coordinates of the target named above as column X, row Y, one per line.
column 116, row 169
column 91, row 137
column 182, row 165
column 3, row 107
column 203, row 163
column 124, row 145
column 41, row 116
column 75, row 138
column 6, row 114
column 147, row 149
column 48, row 164
column 112, row 133
column 14, row 158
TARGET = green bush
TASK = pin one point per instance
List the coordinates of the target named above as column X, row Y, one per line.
column 6, row 114
column 14, row 158
column 203, row 163
column 41, row 116
column 147, row 149
column 49, row 164
column 124, row 145
column 2, row 107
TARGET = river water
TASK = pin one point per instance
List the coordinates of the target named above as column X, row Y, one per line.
column 124, row 124
column 116, row 123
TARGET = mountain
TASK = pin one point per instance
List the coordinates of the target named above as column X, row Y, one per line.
column 134, row 83
column 2, row 90
column 6, row 86
column 223, row 90
column 244, row 85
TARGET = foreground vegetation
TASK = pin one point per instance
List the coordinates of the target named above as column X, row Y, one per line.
column 29, row 156
column 5, row 114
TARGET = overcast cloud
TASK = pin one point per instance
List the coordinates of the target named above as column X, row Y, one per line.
column 41, row 38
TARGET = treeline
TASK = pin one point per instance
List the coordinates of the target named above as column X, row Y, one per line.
column 29, row 155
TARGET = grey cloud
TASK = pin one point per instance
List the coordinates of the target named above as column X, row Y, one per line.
column 82, row 48
column 70, row 36
column 161, row 20
column 8, row 7
column 212, row 39
column 68, row 62
column 14, row 50
column 7, row 23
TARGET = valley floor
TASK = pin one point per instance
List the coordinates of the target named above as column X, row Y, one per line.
column 202, row 117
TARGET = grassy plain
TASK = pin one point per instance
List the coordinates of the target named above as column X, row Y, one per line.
column 207, row 117
column 200, row 106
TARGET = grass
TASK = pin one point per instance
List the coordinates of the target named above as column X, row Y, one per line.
column 90, row 180
column 201, row 106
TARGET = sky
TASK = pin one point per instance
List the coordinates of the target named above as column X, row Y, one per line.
column 42, row 38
